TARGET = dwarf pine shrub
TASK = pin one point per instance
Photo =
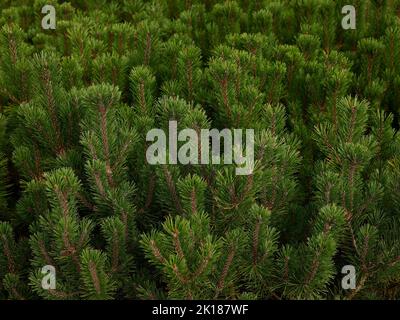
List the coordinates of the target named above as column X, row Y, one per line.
column 84, row 214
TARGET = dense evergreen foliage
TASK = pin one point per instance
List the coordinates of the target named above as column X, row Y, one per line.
column 77, row 193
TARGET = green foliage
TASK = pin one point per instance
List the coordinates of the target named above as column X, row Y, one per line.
column 76, row 190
